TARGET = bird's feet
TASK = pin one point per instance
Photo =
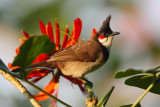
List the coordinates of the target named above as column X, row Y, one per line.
column 88, row 83
column 88, row 87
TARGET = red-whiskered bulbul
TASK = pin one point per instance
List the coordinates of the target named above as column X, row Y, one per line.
column 84, row 57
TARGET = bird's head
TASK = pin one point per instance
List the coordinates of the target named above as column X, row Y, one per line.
column 105, row 34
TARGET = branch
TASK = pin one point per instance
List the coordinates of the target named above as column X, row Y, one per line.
column 21, row 88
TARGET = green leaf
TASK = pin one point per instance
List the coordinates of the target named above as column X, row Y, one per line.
column 143, row 81
column 138, row 105
column 131, row 72
column 3, row 66
column 34, row 46
column 128, row 72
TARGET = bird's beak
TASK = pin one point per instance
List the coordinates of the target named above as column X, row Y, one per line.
column 115, row 33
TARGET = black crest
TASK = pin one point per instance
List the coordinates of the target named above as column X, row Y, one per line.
column 105, row 28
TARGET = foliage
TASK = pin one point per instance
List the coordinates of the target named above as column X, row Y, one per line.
column 141, row 78
column 34, row 46
column 145, row 79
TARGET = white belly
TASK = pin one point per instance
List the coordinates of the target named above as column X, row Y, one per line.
column 79, row 69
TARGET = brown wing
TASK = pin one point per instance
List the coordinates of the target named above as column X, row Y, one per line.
column 85, row 51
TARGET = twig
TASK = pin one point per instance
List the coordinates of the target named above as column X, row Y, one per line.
column 105, row 98
column 141, row 97
column 21, row 88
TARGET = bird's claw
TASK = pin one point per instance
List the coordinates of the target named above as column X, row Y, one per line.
column 88, row 83
column 88, row 92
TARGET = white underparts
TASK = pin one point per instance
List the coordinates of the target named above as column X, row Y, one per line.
column 107, row 42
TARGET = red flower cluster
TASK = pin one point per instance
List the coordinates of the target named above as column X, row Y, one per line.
column 38, row 74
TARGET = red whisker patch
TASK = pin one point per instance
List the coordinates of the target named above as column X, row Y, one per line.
column 101, row 37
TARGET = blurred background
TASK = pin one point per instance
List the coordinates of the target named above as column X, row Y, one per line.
column 138, row 45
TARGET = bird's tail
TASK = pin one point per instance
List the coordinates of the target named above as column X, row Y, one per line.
column 39, row 64
column 42, row 64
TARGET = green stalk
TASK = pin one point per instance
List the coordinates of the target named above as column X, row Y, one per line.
column 105, row 98
column 141, row 97
column 36, row 87
column 108, row 96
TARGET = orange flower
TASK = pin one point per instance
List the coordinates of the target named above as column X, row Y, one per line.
column 38, row 74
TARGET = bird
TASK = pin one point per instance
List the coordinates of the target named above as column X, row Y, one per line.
column 84, row 57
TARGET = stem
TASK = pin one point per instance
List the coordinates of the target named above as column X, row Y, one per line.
column 36, row 87
column 105, row 98
column 141, row 97
column 108, row 96
column 21, row 88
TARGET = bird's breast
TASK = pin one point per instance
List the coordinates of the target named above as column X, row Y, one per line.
column 79, row 69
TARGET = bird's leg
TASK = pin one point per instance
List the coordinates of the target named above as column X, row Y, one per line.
column 88, row 86
column 87, row 82
column 89, row 91
column 91, row 99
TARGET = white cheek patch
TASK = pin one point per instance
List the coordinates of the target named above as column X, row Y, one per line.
column 107, row 42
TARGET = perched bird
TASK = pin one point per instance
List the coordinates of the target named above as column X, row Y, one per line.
column 83, row 57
